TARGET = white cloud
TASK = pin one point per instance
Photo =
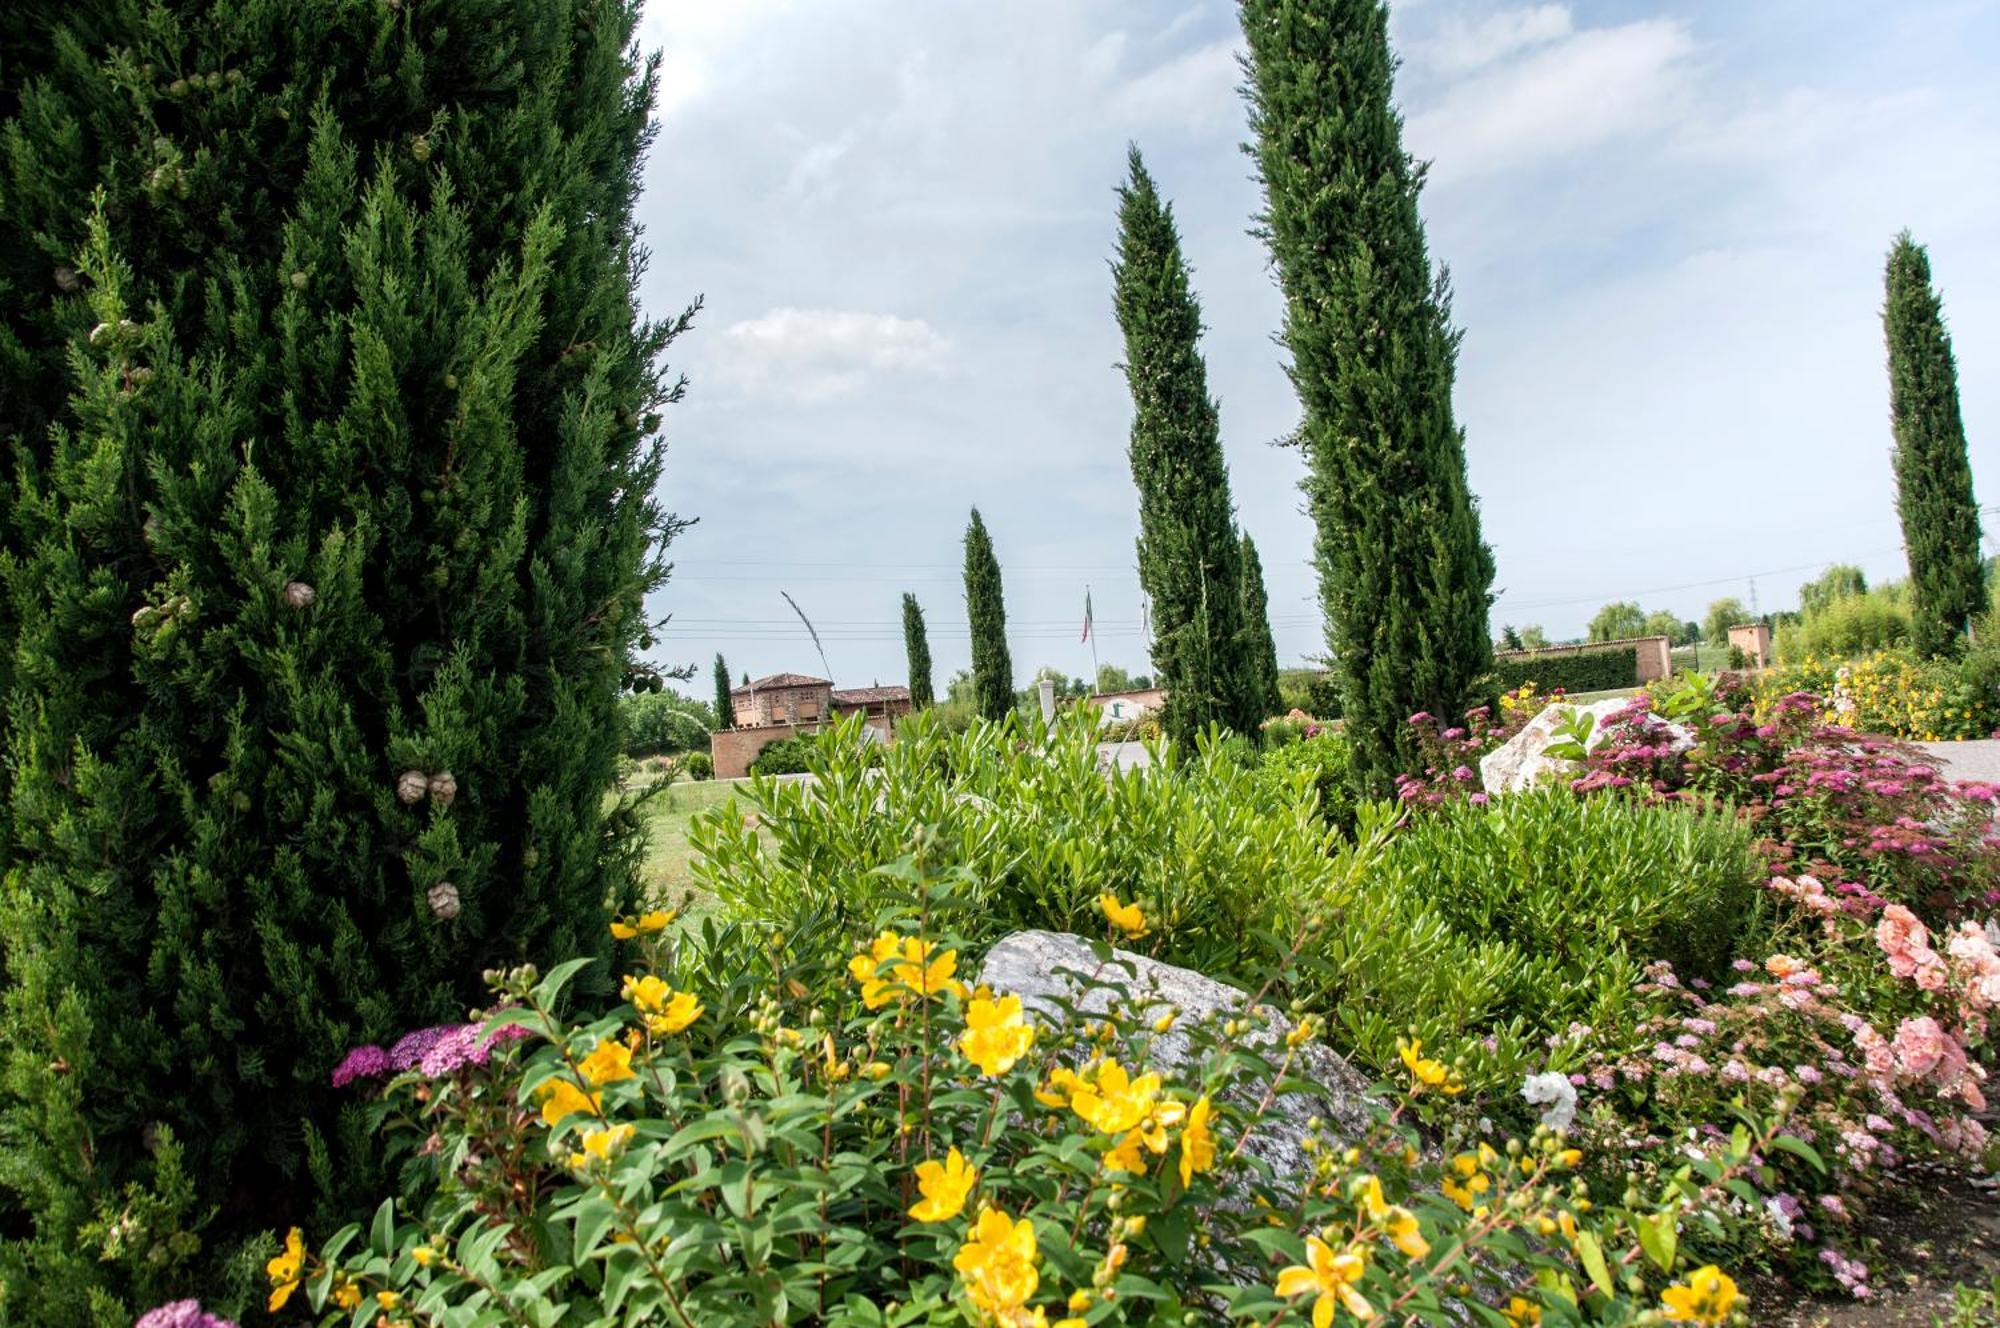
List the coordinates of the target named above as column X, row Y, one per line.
column 1593, row 87
column 1194, row 90
column 814, row 355
column 1461, row 45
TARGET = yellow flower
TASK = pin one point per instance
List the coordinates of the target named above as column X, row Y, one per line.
column 1399, row 1224
column 424, row 1255
column 1129, row 1155
column 866, row 969
column 877, row 1070
column 996, row 1034
column 1707, row 1297
column 346, row 1295
column 647, row 924
column 1428, row 1073
column 1115, row 1102
column 561, row 1098
column 1060, row 1089
column 998, row 1263
column 680, row 1010
column 600, row 1144
column 284, row 1270
column 388, row 1300
column 609, row 1063
column 1468, row 1184
column 1197, row 1143
column 944, row 1186
column 1521, row 1313
column 1166, row 1021
column 1331, row 1277
column 924, row 975
column 1125, row 917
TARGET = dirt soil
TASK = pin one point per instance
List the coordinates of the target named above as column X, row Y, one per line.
column 1941, row 1235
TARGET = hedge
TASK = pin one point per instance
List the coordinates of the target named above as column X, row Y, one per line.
column 1583, row 671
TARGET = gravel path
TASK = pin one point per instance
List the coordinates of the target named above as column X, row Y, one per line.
column 1977, row 759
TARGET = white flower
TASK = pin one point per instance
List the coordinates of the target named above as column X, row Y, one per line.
column 1780, row 1222
column 1555, row 1095
column 1992, row 930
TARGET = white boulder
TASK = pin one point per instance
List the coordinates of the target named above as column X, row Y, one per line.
column 1523, row 761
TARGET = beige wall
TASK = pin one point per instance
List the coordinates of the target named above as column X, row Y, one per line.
column 733, row 750
column 1754, row 640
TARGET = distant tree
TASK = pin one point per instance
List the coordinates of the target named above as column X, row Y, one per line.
column 918, row 648
column 1190, row 563
column 1933, row 474
column 1261, row 649
column 662, row 722
column 1510, row 639
column 1111, row 678
column 1661, row 623
column 985, row 605
column 1534, row 638
column 1690, row 633
column 725, row 709
column 1722, row 615
column 1837, row 582
column 746, row 677
column 1616, row 621
column 1405, row 577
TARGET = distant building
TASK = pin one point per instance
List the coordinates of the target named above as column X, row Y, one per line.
column 782, row 704
column 1754, row 640
column 1124, row 707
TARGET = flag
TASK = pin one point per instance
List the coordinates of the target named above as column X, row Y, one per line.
column 1086, row 615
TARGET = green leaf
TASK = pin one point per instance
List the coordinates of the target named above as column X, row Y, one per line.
column 1658, row 1238
column 382, row 1232
column 1592, row 1255
column 1798, row 1147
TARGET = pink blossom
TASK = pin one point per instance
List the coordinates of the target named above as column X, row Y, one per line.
column 1920, row 1046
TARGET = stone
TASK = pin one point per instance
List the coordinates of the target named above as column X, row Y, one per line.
column 1044, row 967
column 1522, row 761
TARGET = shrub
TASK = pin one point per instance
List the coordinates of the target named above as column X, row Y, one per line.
column 1592, row 670
column 698, row 765
column 1848, row 625
column 758, row 1138
column 658, row 723
column 786, row 756
column 1321, row 761
column 1896, row 694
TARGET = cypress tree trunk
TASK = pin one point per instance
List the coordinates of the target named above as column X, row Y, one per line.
column 1259, row 646
column 330, row 544
column 992, row 669
column 1933, row 474
column 725, row 708
column 1404, row 576
column 1189, row 562
column 918, row 648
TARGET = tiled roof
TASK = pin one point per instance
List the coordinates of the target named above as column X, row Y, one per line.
column 780, row 680
column 869, row 695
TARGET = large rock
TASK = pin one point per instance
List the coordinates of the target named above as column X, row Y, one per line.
column 1045, row 967
column 1522, row 761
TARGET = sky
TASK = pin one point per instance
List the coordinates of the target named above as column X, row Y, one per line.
column 1665, row 225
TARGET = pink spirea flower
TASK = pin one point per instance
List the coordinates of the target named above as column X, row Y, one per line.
column 182, row 1314
column 365, row 1062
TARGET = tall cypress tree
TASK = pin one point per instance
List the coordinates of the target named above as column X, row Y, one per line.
column 992, row 668
column 918, row 647
column 1260, row 648
column 725, row 708
column 1189, row 561
column 329, row 537
column 1405, row 578
column 1933, row 475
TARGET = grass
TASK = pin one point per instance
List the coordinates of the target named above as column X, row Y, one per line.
column 665, row 871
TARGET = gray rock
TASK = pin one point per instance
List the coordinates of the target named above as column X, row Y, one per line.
column 1043, row 967
column 1522, row 761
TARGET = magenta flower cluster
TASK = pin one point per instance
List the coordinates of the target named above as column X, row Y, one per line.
column 433, row 1052
column 182, row 1314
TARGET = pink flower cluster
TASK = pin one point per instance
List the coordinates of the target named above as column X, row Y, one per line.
column 182, row 1314
column 1450, row 754
column 432, row 1052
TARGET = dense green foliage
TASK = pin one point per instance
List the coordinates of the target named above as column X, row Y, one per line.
column 1573, row 671
column 1845, row 626
column 1190, row 563
column 917, row 647
column 1933, row 474
column 1323, row 760
column 725, row 706
column 1405, row 577
column 1840, row 581
column 1261, row 647
column 329, row 537
column 986, row 608
column 1617, row 621
column 786, row 756
column 659, row 723
column 1721, row 615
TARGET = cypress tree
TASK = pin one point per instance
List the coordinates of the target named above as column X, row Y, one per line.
column 992, row 669
column 1404, row 576
column 918, row 647
column 1189, row 561
column 330, row 530
column 1259, row 646
column 1933, row 474
column 725, row 708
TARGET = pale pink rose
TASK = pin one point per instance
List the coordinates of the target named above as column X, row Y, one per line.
column 1903, row 939
column 1782, row 966
column 1919, row 1047
column 1931, row 975
column 1969, row 1093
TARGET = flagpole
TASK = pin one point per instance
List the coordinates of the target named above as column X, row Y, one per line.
column 1091, row 637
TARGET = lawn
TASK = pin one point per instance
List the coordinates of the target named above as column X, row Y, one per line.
column 666, row 816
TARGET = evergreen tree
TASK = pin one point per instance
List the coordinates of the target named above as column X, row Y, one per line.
column 1405, row 578
column 725, row 708
column 1933, row 474
column 1510, row 639
column 992, row 669
column 918, row 648
column 1259, row 646
column 1189, row 562
column 328, row 538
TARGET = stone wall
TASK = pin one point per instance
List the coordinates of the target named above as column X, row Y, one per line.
column 733, row 750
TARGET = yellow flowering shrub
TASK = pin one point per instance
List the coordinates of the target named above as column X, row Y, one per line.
column 1890, row 692
column 881, row 1143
